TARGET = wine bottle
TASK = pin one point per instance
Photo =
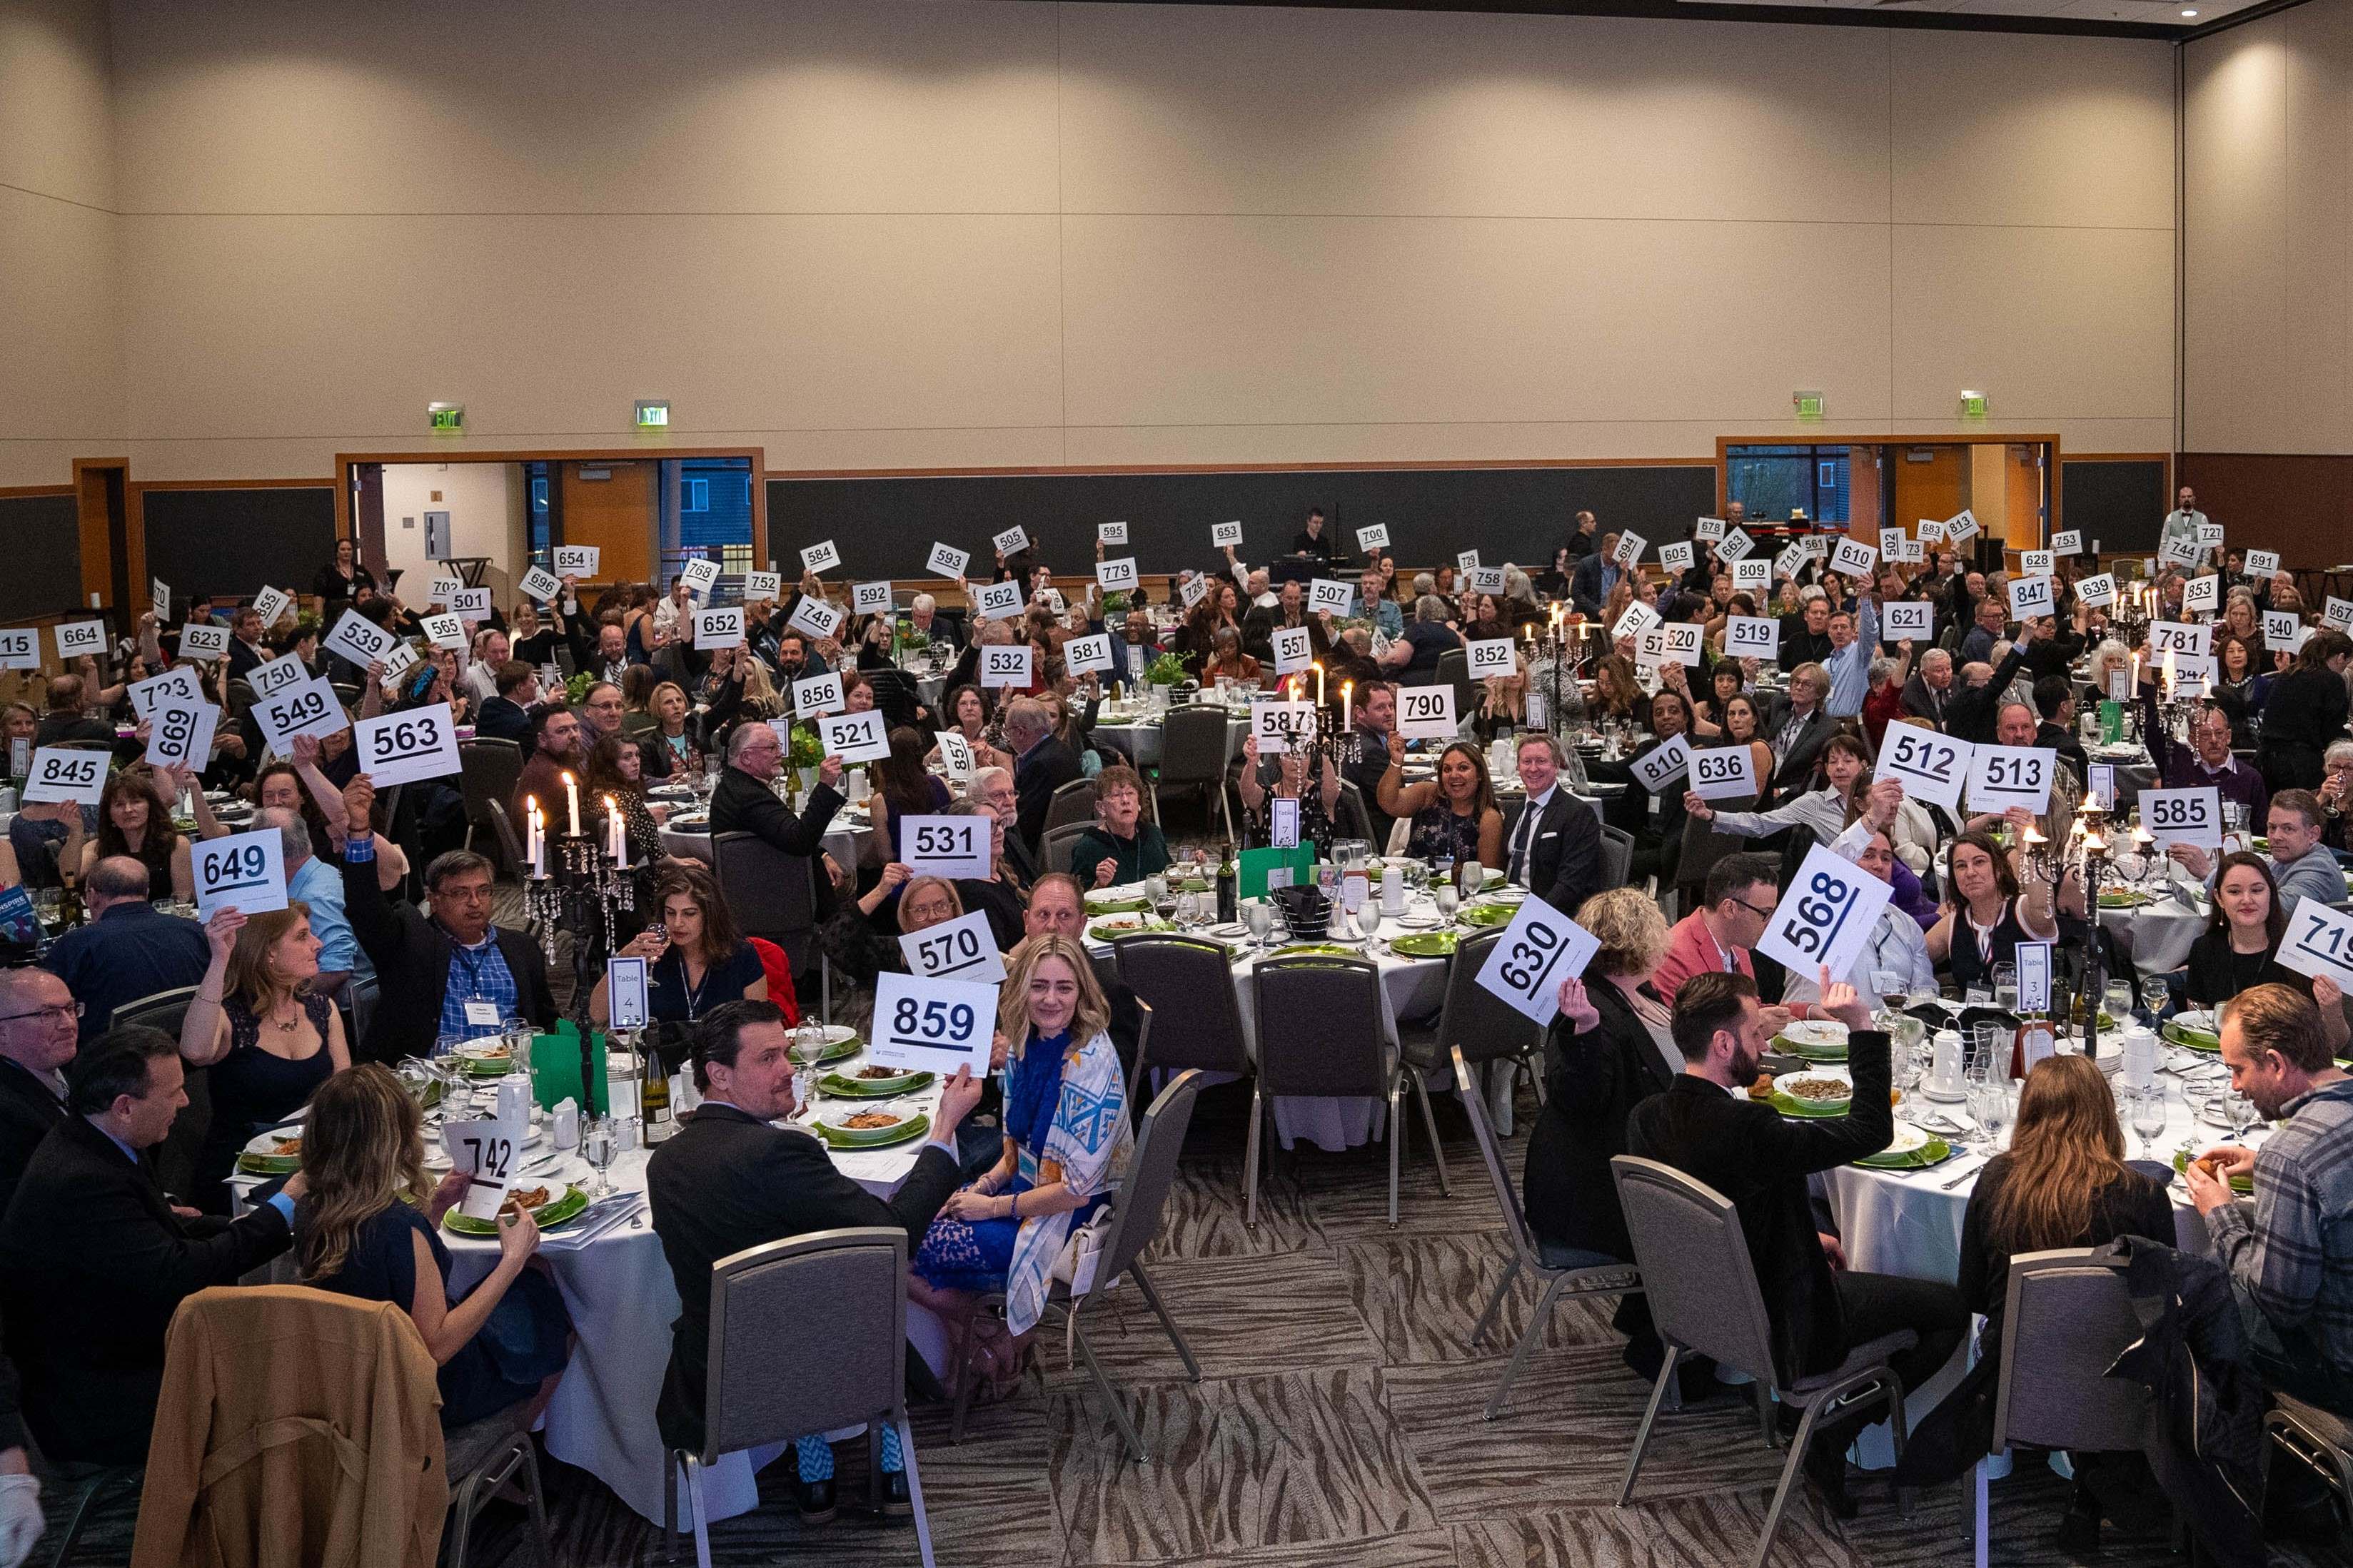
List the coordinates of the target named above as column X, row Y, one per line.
column 653, row 1095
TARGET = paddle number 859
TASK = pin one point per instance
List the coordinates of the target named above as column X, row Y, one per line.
column 934, row 1021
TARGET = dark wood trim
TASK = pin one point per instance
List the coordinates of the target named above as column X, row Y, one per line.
column 1116, row 468
column 231, row 484
column 1696, row 11
column 17, row 492
column 95, row 519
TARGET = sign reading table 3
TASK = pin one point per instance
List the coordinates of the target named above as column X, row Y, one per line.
column 1826, row 916
column 932, row 1025
column 1541, row 948
column 65, row 773
column 246, row 870
column 950, row 846
column 396, row 748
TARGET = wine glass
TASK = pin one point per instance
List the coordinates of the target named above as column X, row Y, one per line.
column 2118, row 1001
column 2005, row 987
column 1992, row 1104
column 599, row 1141
column 2148, row 1110
column 1449, row 900
column 807, row 1046
column 2154, row 996
column 1261, row 920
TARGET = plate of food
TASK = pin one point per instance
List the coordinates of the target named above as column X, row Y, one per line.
column 2244, row 1185
column 552, row 1203
column 1426, row 944
column 2196, row 1031
column 485, row 1058
column 276, row 1153
column 2125, row 898
column 1110, row 926
column 879, row 1127
column 839, row 1041
column 873, row 1082
column 1316, row 950
column 1815, row 1039
column 1912, row 1149
column 1117, row 904
column 1811, row 1094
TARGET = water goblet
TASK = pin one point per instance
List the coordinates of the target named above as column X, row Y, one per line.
column 807, row 1046
column 1262, row 921
column 2148, row 1112
column 1449, row 900
column 2005, row 987
column 599, row 1141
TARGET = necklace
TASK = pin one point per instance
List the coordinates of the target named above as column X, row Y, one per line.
column 292, row 1021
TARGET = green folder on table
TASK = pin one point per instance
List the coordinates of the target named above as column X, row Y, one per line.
column 555, row 1068
column 2112, row 722
column 1250, row 879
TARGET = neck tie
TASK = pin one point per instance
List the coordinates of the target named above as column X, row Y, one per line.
column 1519, row 857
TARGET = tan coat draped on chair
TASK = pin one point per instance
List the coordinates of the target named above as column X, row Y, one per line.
column 297, row 1429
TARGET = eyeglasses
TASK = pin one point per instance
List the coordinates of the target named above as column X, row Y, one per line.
column 62, row 1014
column 1752, row 908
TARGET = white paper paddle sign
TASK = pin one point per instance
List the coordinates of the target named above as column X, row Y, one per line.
column 2004, row 776
column 701, row 575
column 417, row 743
column 1752, row 636
column 180, row 735
column 1425, row 712
column 246, row 870
column 1111, row 533
column 540, row 584
column 2262, row 563
column 999, row 601
column 947, row 560
column 271, row 604
column 1002, row 665
column 759, row 585
column 1678, row 556
column 1012, row 542
column 1665, row 767
column 2070, row 543
column 950, row 846
column 1487, row 656
column 1541, row 948
column 1752, row 577
column 2097, row 592
column 1081, row 656
column 821, row 558
column 1116, row 576
column 1720, row 772
column 2318, row 940
column 855, row 737
column 577, row 559
column 2192, row 817
column 932, row 1025
column 963, row 949
column 1826, row 916
column 1930, row 767
column 2031, row 598
column 812, row 615
column 2178, row 637
column 723, row 628
column 66, row 773
column 1905, row 620
column 1372, row 537
column 1735, row 545
column 358, row 639
column 815, row 694
column 20, row 648
column 1291, row 650
column 870, row 598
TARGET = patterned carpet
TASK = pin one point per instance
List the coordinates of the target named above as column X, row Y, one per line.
column 1338, row 1423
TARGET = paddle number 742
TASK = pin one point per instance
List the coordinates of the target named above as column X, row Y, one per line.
column 491, row 1155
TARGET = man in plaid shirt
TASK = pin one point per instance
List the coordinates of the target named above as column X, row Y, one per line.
column 2292, row 1265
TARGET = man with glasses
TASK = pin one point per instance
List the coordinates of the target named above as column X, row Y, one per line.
column 743, row 803
column 449, row 974
column 993, row 787
column 1742, row 892
column 37, row 1015
column 128, row 950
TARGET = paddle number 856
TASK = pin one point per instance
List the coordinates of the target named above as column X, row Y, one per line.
column 933, row 1022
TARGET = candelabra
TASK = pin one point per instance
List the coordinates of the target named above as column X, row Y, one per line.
column 2088, row 853
column 586, row 894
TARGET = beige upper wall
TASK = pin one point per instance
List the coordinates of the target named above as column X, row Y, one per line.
column 60, row 344
column 2267, row 287
column 950, row 233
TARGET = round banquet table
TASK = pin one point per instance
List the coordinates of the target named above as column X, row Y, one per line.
column 847, row 837
column 2157, row 935
column 1139, row 734
column 618, row 1289
column 1410, row 988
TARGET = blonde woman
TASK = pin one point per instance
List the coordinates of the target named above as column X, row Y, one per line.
column 359, row 1231
column 269, row 1036
column 1067, row 1137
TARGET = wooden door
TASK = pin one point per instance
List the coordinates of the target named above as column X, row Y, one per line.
column 615, row 513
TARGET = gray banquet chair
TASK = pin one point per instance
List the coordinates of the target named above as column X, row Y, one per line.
column 1072, row 802
column 1193, row 753
column 1320, row 1032
column 772, row 896
column 1705, row 1300
column 1188, row 984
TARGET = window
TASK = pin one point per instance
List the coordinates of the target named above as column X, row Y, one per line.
column 1775, row 482
column 694, row 495
column 535, row 477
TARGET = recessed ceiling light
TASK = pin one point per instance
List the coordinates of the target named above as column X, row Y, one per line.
column 2189, row 12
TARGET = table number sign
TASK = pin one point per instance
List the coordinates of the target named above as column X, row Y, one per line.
column 1331, row 596
column 2033, row 977
column 2192, row 817
column 949, row 847
column 625, row 993
column 818, row 558
column 1012, row 542
column 1222, row 534
column 870, row 598
column 1082, row 655
column 1002, row 665
column 2100, row 789
column 1930, row 767
column 1488, row 657
column 932, row 1025
column 1735, row 545
column 1827, row 916
column 1905, row 620
column 181, row 734
column 1541, row 948
column 947, row 560
column 2097, row 592
column 417, row 743
column 813, row 616
column 20, row 648
column 246, row 870
column 723, row 628
column 1664, row 765
column 1282, row 824
column 76, row 638
column 1116, row 576
column 1753, row 576
column 577, row 559
column 963, row 948
column 2318, row 940
column 1372, row 537
column 2031, row 598
column 1679, row 556
column 2004, row 776
column 2262, row 563
column 1291, row 650
column 1721, row 772
column 999, row 601
column 1425, row 712
column 815, row 694
column 855, row 737
column 759, row 585
column 1853, row 558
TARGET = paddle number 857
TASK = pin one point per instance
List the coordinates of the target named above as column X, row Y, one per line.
column 932, row 1021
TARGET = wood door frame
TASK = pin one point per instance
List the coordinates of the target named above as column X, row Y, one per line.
column 1966, row 439
column 757, row 456
column 94, row 528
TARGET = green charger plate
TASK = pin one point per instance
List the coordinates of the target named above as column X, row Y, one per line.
column 913, row 1126
column 2189, row 1039
column 1789, row 1107
column 2125, row 900
column 1316, row 950
column 268, row 1164
column 1118, row 906
column 1426, row 944
column 2244, row 1185
column 841, row 1086
column 1490, row 915
column 559, row 1212
column 1805, row 1052
column 1934, row 1152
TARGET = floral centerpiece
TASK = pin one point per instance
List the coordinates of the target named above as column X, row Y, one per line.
column 1166, row 669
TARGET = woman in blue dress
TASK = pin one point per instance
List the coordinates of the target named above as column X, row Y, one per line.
column 359, row 1231
column 1067, row 1137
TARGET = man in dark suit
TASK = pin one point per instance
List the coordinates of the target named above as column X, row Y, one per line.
column 94, row 1259
column 453, row 974
column 506, row 715
column 66, row 720
column 1706, row 1127
column 1552, row 844
column 1798, row 727
column 727, row 1179
column 1595, row 575
column 1376, row 713
column 1042, row 764
column 246, row 652
column 742, row 803
column 2054, row 705
column 36, row 1042
column 1978, row 694
column 129, row 949
column 1930, row 690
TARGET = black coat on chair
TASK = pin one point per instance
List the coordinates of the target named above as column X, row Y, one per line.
column 1594, row 1080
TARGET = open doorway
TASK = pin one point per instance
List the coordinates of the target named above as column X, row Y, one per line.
column 2008, row 482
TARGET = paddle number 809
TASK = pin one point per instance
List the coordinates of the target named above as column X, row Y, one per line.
column 932, row 1021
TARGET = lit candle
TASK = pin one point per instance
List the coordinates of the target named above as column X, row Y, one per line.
column 1347, row 707
column 2095, row 845
column 619, row 847
column 2169, row 673
column 1318, row 668
column 571, row 797
column 538, row 830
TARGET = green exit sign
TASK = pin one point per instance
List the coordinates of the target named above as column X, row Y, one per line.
column 449, row 418
column 1973, row 405
column 1809, row 405
column 653, row 413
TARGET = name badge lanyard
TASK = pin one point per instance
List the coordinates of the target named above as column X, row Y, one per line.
column 473, row 966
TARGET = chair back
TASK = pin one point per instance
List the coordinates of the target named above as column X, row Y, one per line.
column 769, row 892
column 1490, row 1155
column 2068, row 1319
column 503, row 828
column 1617, row 855
column 1454, row 669
column 1144, row 1192
column 487, row 771
column 1072, row 802
column 1695, row 1266
column 1320, row 1026
column 162, row 1010
column 1060, row 843
column 1483, row 1025
column 854, row 1282
column 1351, row 817
column 897, row 697
column 1188, row 984
column 362, row 995
column 1193, row 745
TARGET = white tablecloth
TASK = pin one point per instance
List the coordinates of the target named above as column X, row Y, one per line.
column 2156, row 937
column 1140, row 737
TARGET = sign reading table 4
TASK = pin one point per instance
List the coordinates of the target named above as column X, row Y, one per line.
column 1826, row 916
column 932, row 1025
column 246, row 869
column 1541, row 948
column 416, row 743
column 625, row 992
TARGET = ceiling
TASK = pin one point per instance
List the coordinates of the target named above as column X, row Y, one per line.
column 2114, row 19
column 2184, row 16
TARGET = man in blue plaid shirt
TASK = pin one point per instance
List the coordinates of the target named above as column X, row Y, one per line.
column 2292, row 1263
